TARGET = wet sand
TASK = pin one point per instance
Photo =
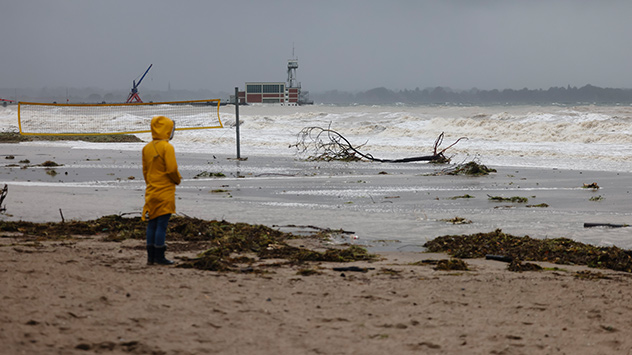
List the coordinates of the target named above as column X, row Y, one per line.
column 85, row 295
column 391, row 206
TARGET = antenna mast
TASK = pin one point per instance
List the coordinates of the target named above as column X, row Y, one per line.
column 292, row 65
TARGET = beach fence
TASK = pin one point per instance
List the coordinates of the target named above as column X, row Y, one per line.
column 54, row 119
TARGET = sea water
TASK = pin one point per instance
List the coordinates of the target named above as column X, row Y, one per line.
column 573, row 137
column 588, row 137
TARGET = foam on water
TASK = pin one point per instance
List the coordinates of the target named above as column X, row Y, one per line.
column 582, row 137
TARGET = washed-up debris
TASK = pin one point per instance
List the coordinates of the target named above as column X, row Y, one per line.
column 308, row 272
column 515, row 199
column 608, row 225
column 390, row 272
column 519, row 266
column 503, row 258
column 457, row 220
column 451, row 264
column 226, row 242
column 353, row 268
column 593, row 186
column 49, row 163
column 220, row 191
column 462, row 196
column 325, row 144
column 207, row 174
column 324, row 230
column 16, row 137
column 471, row 168
column 12, row 137
column 557, row 250
column 295, row 254
column 541, row 205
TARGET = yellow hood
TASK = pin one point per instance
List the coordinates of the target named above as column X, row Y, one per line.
column 161, row 127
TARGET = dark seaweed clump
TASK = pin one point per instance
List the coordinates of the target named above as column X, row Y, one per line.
column 557, row 250
column 451, row 264
column 471, row 169
column 519, row 266
column 118, row 228
column 15, row 137
column 225, row 242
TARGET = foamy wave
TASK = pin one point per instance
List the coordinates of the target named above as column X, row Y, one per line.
column 514, row 135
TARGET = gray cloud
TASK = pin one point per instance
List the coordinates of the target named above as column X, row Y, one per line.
column 346, row 45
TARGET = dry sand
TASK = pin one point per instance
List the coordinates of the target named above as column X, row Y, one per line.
column 86, row 295
column 91, row 296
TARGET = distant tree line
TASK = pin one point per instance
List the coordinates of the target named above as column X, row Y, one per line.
column 439, row 95
column 568, row 95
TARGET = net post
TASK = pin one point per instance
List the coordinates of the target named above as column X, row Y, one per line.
column 237, row 120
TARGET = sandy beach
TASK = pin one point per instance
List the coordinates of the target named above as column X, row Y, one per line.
column 87, row 295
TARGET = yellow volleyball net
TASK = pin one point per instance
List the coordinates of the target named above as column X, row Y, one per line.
column 36, row 118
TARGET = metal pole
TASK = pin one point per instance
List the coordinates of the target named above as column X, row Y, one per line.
column 237, row 120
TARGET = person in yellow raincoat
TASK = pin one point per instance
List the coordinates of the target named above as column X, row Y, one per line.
column 161, row 174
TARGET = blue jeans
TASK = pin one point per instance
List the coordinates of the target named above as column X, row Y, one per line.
column 157, row 230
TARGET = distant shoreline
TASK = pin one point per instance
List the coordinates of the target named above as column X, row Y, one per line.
column 563, row 95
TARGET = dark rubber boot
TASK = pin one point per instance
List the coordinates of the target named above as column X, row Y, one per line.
column 159, row 257
column 151, row 254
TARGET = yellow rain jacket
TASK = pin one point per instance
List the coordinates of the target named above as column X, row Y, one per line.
column 160, row 170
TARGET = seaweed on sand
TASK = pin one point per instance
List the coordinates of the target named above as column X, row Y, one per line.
column 51, row 230
column 227, row 242
column 451, row 264
column 516, row 199
column 471, row 169
column 457, row 220
column 557, row 250
column 299, row 255
column 519, row 266
column 16, row 137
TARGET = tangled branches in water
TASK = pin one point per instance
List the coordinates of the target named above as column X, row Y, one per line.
column 320, row 144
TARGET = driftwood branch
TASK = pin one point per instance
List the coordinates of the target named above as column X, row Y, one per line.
column 608, row 225
column 326, row 230
column 316, row 143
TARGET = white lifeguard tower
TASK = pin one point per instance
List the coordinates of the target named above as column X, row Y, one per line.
column 292, row 65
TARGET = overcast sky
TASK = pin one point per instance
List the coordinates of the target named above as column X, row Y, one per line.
column 345, row 45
